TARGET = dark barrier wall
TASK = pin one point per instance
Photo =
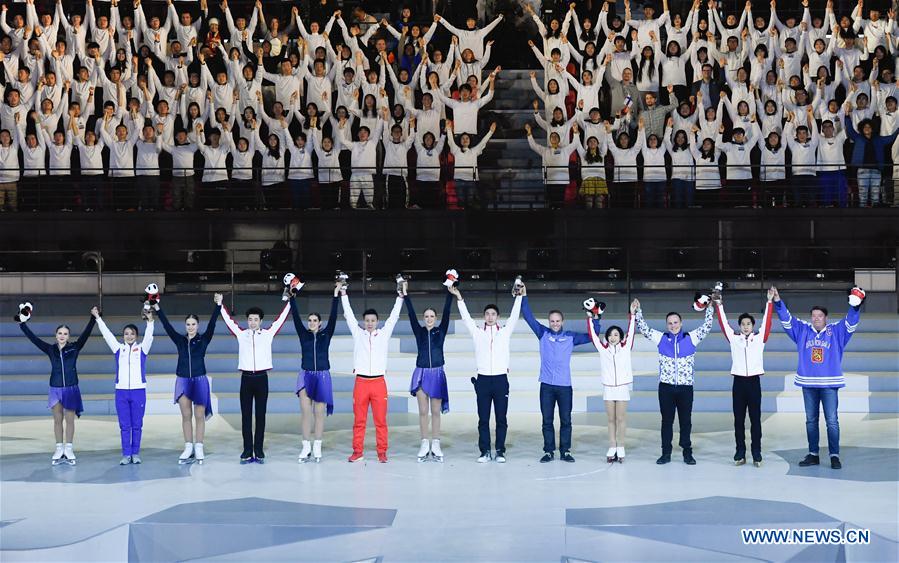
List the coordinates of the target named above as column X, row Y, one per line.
column 566, row 241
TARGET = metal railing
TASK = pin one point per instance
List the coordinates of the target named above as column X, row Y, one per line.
column 598, row 269
column 495, row 188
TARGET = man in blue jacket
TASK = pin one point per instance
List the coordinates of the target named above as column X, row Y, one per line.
column 868, row 155
column 556, row 346
column 820, row 373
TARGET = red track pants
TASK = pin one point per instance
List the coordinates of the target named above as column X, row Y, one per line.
column 370, row 391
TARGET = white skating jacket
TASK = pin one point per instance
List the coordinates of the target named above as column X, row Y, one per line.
column 491, row 343
column 131, row 361
column 747, row 351
column 255, row 346
column 370, row 348
column 615, row 361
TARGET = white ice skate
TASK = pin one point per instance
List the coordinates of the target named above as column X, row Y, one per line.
column 187, row 456
column 199, row 454
column 619, row 452
column 57, row 455
column 436, row 451
column 69, row 454
column 317, row 451
column 424, row 450
column 306, row 452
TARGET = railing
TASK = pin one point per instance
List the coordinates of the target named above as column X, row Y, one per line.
column 596, row 269
column 496, row 189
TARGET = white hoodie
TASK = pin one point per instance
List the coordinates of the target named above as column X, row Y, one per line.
column 491, row 343
column 255, row 346
column 370, row 348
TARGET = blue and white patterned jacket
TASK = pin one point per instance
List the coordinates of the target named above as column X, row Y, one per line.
column 676, row 351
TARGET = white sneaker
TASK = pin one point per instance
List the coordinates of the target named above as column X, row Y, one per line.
column 436, row 451
column 485, row 457
column 317, row 450
column 135, row 459
column 57, row 455
column 126, row 460
column 69, row 454
column 423, row 450
column 620, row 452
column 304, row 453
column 500, row 458
column 187, row 453
column 199, row 454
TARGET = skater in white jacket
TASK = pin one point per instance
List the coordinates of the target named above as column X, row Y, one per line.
column 130, row 382
column 747, row 348
column 617, row 378
column 491, row 348
column 254, row 345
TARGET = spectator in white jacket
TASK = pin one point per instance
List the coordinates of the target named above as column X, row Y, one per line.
column 554, row 160
column 471, row 37
column 625, row 154
column 9, row 171
column 491, row 348
column 465, row 169
column 370, row 351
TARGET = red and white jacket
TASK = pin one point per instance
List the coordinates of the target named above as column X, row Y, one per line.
column 370, row 348
column 746, row 351
column 615, row 361
column 255, row 346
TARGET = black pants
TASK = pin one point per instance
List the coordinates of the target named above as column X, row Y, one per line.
column 747, row 393
column 550, row 396
column 329, row 195
column 396, row 192
column 492, row 390
column 253, row 387
column 679, row 398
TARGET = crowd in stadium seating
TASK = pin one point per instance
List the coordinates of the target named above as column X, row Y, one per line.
column 185, row 105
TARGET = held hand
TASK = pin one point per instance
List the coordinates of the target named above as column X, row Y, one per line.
column 218, row 298
column 773, row 294
column 635, row 306
column 95, row 312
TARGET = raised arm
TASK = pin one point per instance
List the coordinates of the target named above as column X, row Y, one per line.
column 167, row 326
column 391, row 321
column 210, row 328
column 466, row 317
column 723, row 323
column 349, row 316
column 282, row 318
column 86, row 333
column 147, row 341
column 41, row 345
column 645, row 330
column 413, row 320
column 538, row 329
column 513, row 315
column 700, row 333
column 229, row 322
column 108, row 337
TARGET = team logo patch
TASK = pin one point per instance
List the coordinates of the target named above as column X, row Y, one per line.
column 817, row 355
